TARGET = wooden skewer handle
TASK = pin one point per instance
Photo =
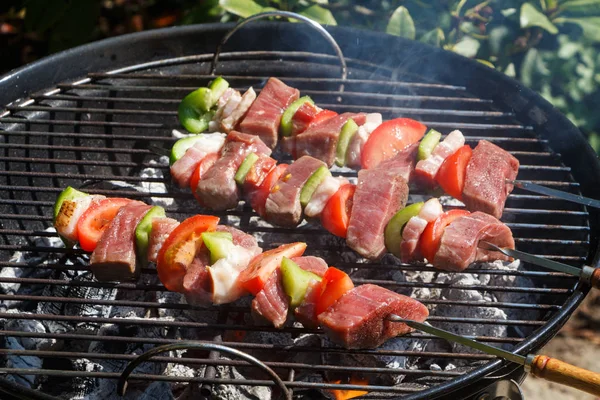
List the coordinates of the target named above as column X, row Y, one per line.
column 561, row 372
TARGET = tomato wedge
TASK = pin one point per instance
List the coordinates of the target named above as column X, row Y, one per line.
column 204, row 165
column 336, row 214
column 451, row 175
column 432, row 235
column 94, row 221
column 258, row 197
column 335, row 284
column 322, row 116
column 389, row 138
column 254, row 277
column 180, row 248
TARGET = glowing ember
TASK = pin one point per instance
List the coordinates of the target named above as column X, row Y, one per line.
column 340, row 394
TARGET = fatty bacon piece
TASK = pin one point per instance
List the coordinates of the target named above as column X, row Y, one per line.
column 320, row 140
column 322, row 194
column 380, row 193
column 114, row 257
column 271, row 304
column 459, row 243
column 409, row 247
column 229, row 122
column 358, row 320
column 485, row 181
column 427, row 169
column 283, row 206
column 182, row 169
column 264, row 115
column 218, row 283
column 217, row 188
column 373, row 120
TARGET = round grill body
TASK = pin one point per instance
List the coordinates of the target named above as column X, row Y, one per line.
column 90, row 117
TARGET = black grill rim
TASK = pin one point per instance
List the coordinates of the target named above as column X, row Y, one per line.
column 107, row 54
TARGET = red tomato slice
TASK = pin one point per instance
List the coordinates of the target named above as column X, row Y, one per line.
column 451, row 175
column 303, row 117
column 254, row 277
column 432, row 235
column 322, row 116
column 180, row 248
column 389, row 138
column 258, row 172
column 335, row 284
column 204, row 165
column 258, row 197
column 94, row 221
column 336, row 214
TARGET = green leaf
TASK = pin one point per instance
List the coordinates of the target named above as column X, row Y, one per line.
column 510, row 70
column 434, row 37
column 580, row 7
column 508, row 12
column 590, row 26
column 485, row 62
column 467, row 47
column 401, row 24
column 241, row 8
column 532, row 17
column 319, row 14
column 594, row 141
column 528, row 67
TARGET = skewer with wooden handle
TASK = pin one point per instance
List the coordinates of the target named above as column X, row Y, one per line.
column 541, row 366
column 587, row 275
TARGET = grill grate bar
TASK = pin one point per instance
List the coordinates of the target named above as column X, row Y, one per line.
column 386, row 83
column 235, row 363
column 161, row 138
column 179, row 306
column 135, row 286
column 84, row 162
column 274, row 347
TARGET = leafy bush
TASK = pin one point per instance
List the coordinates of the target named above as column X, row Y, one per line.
column 552, row 46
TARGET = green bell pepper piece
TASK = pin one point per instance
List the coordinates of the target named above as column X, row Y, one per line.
column 312, row 184
column 393, row 230
column 218, row 243
column 240, row 175
column 428, row 144
column 143, row 231
column 348, row 131
column 295, row 281
column 285, row 125
column 68, row 194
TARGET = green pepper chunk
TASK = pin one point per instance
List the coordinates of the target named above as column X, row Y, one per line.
column 192, row 120
column 286, row 119
column 348, row 131
column 295, row 281
column 143, row 231
column 219, row 244
column 195, row 112
column 312, row 184
column 217, row 88
column 68, row 194
column 182, row 145
column 393, row 230
column 428, row 144
column 240, row 175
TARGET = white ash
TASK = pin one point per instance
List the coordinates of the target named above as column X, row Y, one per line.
column 236, row 392
column 20, row 361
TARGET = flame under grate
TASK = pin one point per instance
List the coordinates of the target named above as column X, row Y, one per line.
column 69, row 335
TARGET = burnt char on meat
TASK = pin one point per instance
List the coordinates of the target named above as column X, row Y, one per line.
column 485, row 186
column 114, row 258
column 358, row 320
column 271, row 304
column 264, row 115
column 458, row 247
column 283, row 206
column 161, row 229
column 217, row 188
column 320, row 140
column 380, row 193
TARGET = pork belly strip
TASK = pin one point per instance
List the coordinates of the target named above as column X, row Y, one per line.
column 217, row 188
column 358, row 320
column 427, row 169
column 409, row 247
column 271, row 304
column 380, row 193
column 320, row 140
column 485, row 181
column 197, row 282
column 264, row 115
column 161, row 229
column 114, row 258
column 283, row 206
column 182, row 169
column 458, row 247
column 229, row 122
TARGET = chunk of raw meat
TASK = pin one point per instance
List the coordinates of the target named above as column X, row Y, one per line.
column 415, row 227
column 358, row 320
column 485, row 181
column 459, row 244
column 264, row 115
column 229, row 122
column 161, row 229
column 427, row 169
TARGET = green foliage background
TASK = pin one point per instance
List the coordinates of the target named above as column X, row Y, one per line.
column 552, row 46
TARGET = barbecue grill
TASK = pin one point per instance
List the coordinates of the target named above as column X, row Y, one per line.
column 91, row 118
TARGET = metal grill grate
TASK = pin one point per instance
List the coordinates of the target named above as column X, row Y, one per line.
column 93, row 132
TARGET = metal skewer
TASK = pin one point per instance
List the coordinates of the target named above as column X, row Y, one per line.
column 541, row 366
column 559, row 194
column 588, row 275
